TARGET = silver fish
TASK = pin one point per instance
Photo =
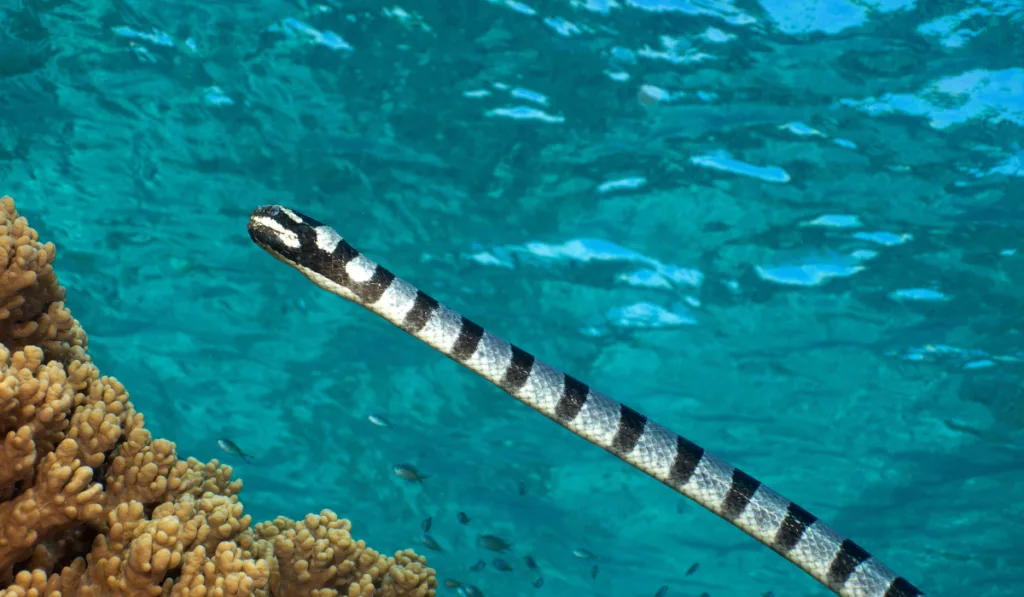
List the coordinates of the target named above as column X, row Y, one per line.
column 430, row 542
column 379, row 421
column 493, row 543
column 427, row 522
column 579, row 552
column 530, row 562
column 469, row 591
column 231, row 448
column 692, row 569
column 451, row 583
column 463, row 517
column 408, row 472
column 539, row 582
column 662, row 591
column 593, row 572
column 480, row 565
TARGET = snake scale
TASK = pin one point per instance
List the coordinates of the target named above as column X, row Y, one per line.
column 321, row 254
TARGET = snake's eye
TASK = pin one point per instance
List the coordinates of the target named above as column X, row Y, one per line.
column 274, row 210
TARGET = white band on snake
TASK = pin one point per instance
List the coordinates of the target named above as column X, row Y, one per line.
column 325, row 258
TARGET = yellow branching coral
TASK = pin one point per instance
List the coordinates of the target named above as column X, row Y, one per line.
column 92, row 506
column 32, row 310
column 318, row 557
column 62, row 496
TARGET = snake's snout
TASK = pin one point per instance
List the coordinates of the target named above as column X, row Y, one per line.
column 276, row 229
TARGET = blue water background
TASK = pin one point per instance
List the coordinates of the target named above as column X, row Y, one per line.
column 790, row 231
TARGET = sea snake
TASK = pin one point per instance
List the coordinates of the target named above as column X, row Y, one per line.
column 324, row 257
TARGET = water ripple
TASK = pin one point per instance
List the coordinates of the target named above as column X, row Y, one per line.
column 808, row 212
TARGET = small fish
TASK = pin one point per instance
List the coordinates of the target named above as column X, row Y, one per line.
column 430, row 542
column 768, row 594
column 692, row 569
column 425, row 525
column 579, row 552
column 593, row 571
column 493, row 543
column 522, row 488
column 539, row 582
column 530, row 562
column 231, row 448
column 463, row 518
column 662, row 591
column 379, row 421
column 705, row 594
column 451, row 583
column 500, row 564
column 408, row 472
column 480, row 565
column 469, row 591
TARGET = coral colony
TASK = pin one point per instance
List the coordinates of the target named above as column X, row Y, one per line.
column 92, row 506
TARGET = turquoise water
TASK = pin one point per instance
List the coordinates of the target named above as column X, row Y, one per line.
column 789, row 231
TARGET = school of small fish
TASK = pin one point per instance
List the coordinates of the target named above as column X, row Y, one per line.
column 500, row 545
column 409, row 472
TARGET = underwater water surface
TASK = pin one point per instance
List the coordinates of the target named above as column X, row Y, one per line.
column 790, row 231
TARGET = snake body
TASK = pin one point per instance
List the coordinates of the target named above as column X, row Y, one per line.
column 321, row 254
